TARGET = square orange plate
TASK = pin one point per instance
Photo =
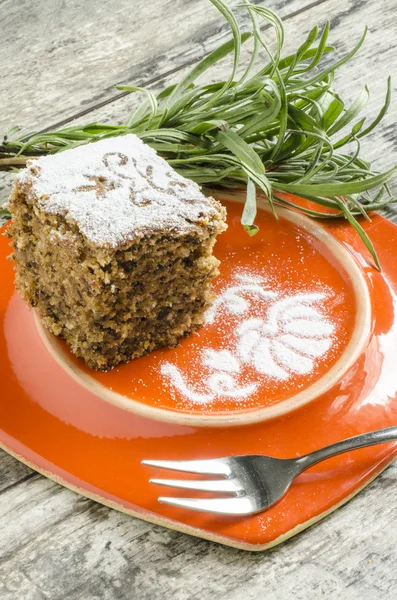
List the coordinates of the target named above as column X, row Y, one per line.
column 53, row 418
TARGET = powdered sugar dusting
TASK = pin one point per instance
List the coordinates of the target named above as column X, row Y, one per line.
column 287, row 339
column 116, row 190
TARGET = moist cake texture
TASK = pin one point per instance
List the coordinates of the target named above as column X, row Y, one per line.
column 114, row 249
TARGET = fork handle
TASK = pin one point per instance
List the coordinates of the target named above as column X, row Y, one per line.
column 359, row 441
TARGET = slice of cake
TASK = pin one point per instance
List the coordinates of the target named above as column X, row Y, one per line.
column 114, row 249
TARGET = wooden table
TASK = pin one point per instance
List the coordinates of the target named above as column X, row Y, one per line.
column 58, row 62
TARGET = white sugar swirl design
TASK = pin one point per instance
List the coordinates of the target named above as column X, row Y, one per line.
column 287, row 341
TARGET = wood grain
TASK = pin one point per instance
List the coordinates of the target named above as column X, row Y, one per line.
column 69, row 547
column 346, row 28
column 55, row 545
column 12, row 472
column 63, row 75
column 65, row 57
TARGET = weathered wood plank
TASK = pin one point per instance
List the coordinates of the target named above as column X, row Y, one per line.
column 346, row 27
column 72, row 548
column 63, row 57
column 39, row 506
column 12, row 471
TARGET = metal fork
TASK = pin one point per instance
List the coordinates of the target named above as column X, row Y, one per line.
column 253, row 482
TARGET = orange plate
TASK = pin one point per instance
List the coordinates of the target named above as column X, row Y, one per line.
column 57, row 426
column 241, row 368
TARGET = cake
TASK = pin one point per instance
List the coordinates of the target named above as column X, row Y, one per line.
column 113, row 248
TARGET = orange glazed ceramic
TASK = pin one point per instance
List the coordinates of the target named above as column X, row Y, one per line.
column 316, row 310
column 281, row 332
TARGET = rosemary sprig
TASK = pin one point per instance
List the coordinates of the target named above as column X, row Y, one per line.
column 4, row 213
column 274, row 128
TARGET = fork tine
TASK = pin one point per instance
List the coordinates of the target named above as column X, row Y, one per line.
column 222, row 506
column 221, row 485
column 216, row 466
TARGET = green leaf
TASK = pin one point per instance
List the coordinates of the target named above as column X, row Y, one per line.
column 304, row 120
column 274, row 20
column 249, row 212
column 174, row 135
column 351, row 112
column 338, row 189
column 311, row 38
column 321, row 49
column 364, row 237
column 332, row 113
column 243, row 151
column 138, row 114
column 382, row 111
column 251, row 229
column 283, row 120
column 4, row 213
column 199, row 128
column 12, row 131
column 207, row 62
column 333, row 67
column 255, row 51
column 286, row 61
column 260, row 120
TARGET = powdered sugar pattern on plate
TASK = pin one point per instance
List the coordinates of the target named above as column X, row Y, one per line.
column 116, row 190
column 287, row 340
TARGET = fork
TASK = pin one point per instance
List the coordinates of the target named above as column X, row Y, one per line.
column 253, row 482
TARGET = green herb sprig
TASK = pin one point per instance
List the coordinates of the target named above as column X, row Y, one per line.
column 274, row 129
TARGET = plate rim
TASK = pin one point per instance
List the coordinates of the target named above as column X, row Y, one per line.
column 350, row 355
column 175, row 525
